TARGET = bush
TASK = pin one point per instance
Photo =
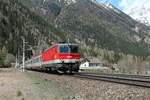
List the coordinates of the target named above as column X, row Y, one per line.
column 8, row 60
column 19, row 93
column 3, row 53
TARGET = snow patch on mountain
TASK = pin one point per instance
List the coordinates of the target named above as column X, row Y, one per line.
column 109, row 6
column 68, row 2
column 141, row 14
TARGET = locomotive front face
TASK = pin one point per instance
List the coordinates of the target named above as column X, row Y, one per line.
column 69, row 53
column 68, row 57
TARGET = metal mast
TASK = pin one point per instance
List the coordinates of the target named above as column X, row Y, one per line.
column 16, row 61
column 23, row 57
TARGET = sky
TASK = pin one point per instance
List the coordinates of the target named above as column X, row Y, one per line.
column 127, row 5
column 114, row 2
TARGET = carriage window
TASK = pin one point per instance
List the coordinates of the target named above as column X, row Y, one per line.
column 63, row 49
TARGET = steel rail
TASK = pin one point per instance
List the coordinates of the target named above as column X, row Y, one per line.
column 121, row 75
column 126, row 80
column 115, row 79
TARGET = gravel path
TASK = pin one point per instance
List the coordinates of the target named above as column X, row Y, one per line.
column 98, row 90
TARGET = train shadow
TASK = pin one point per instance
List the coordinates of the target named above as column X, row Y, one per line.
column 51, row 72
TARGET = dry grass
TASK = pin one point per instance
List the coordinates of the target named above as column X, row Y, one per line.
column 23, row 86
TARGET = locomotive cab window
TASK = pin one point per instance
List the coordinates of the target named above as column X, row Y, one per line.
column 74, row 49
column 64, row 49
column 68, row 49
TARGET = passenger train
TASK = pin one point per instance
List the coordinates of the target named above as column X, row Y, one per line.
column 61, row 57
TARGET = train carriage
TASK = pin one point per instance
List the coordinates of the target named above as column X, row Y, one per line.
column 61, row 57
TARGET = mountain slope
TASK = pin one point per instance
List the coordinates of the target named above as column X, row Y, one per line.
column 17, row 21
column 96, row 24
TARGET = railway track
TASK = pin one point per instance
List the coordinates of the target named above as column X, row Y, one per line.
column 120, row 75
column 134, row 80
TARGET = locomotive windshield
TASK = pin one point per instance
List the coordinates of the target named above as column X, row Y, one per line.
column 64, row 49
column 68, row 49
column 73, row 49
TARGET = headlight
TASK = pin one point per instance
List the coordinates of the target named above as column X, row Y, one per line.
column 55, row 57
column 69, row 56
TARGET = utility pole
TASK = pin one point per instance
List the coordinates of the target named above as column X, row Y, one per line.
column 16, row 61
column 68, row 39
column 23, row 57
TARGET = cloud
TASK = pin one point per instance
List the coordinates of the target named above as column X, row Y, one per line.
column 128, row 5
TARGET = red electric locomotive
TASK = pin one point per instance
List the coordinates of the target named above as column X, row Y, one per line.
column 61, row 57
